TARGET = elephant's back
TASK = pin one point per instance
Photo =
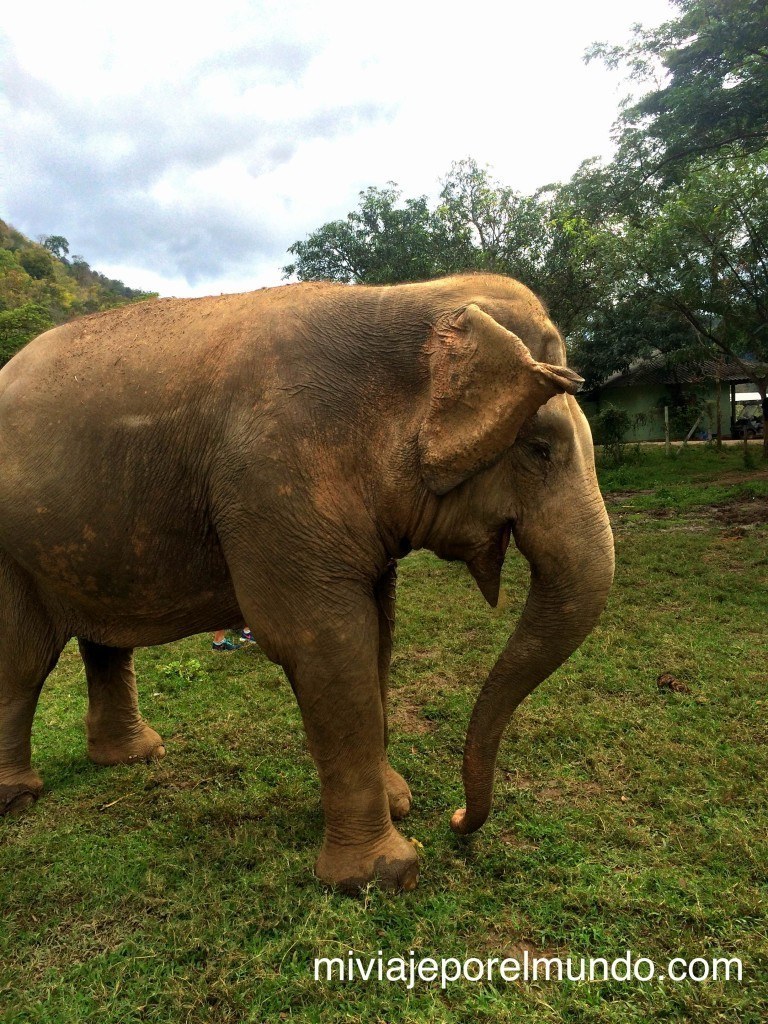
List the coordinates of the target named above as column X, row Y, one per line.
column 138, row 337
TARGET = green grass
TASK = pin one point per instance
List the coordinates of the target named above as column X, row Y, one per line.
column 648, row 466
column 625, row 817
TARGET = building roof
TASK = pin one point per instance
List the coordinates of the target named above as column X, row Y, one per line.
column 658, row 370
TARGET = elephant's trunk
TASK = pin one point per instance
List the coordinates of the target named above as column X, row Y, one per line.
column 569, row 587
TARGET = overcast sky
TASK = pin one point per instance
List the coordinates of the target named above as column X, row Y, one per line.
column 183, row 149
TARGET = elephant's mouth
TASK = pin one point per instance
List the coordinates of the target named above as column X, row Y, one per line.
column 487, row 562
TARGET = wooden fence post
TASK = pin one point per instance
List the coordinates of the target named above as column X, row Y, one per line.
column 667, row 446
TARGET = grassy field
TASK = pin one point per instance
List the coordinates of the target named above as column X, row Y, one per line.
column 626, row 817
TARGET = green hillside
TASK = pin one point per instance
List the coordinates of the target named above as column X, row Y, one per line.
column 42, row 285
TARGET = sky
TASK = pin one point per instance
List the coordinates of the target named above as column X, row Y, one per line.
column 182, row 149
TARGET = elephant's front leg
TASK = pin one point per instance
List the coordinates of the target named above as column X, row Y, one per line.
column 117, row 734
column 398, row 791
column 336, row 681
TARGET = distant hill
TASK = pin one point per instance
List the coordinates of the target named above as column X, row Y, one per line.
column 42, row 285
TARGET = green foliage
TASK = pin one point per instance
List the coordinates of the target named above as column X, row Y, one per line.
column 37, row 263
column 40, row 287
column 478, row 224
column 704, row 253
column 379, row 243
column 681, row 270
column 8, row 260
column 684, row 271
column 56, row 244
column 20, row 325
column 685, row 408
column 486, row 225
column 610, row 427
column 188, row 670
column 714, row 95
column 686, row 226
column 180, row 674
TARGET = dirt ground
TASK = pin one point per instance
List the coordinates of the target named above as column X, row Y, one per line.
column 742, row 511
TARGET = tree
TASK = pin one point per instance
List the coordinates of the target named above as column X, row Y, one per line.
column 39, row 287
column 37, row 263
column 689, row 276
column 714, row 96
column 571, row 276
column 80, row 269
column 685, row 234
column 57, row 245
column 622, row 329
column 626, row 268
column 379, row 243
column 478, row 224
column 486, row 225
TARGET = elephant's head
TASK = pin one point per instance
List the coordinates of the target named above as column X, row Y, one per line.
column 509, row 453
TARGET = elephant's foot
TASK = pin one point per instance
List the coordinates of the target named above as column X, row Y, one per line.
column 398, row 793
column 141, row 744
column 18, row 792
column 391, row 861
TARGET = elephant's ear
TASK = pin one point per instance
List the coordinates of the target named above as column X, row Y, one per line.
column 484, row 385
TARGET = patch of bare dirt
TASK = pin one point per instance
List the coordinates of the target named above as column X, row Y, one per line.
column 408, row 718
column 497, row 941
column 740, row 511
column 660, row 513
column 737, row 477
column 429, row 654
column 614, row 497
column 514, row 841
column 518, row 950
column 554, row 790
column 735, row 516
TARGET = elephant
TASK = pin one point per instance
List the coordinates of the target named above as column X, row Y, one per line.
column 178, row 465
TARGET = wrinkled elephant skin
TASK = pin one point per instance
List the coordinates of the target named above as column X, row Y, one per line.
column 182, row 465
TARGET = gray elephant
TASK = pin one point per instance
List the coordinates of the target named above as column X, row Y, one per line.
column 184, row 464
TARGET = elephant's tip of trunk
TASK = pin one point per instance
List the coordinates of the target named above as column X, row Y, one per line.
column 462, row 824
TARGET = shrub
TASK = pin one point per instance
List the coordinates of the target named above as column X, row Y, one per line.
column 610, row 428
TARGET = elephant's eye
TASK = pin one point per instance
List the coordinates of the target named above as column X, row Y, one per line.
column 534, row 455
column 540, row 448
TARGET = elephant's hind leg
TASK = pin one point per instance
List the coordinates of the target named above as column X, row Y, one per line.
column 398, row 790
column 117, row 734
column 29, row 650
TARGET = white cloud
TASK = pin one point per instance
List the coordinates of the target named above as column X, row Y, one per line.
column 185, row 151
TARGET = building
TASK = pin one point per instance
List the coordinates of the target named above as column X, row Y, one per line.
column 690, row 391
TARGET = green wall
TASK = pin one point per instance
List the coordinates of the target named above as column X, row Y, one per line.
column 649, row 400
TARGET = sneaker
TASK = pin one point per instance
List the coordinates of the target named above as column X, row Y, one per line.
column 225, row 645
column 247, row 637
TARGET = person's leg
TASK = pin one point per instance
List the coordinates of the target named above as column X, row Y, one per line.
column 221, row 642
